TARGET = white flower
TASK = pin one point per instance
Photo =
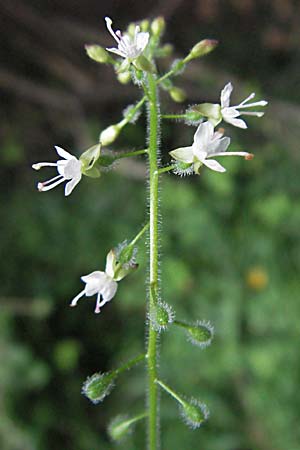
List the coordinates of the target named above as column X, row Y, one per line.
column 100, row 283
column 68, row 168
column 207, row 144
column 128, row 47
column 230, row 113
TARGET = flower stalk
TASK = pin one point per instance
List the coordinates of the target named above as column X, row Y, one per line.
column 152, row 351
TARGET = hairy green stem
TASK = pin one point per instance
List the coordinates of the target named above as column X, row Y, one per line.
column 133, row 153
column 133, row 362
column 166, row 169
column 170, row 391
column 173, row 116
column 152, row 351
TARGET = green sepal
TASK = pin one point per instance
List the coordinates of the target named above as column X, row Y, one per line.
column 93, row 172
column 90, row 157
column 210, row 110
column 121, row 426
column 142, row 63
column 98, row 54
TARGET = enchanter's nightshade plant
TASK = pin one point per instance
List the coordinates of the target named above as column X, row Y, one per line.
column 139, row 50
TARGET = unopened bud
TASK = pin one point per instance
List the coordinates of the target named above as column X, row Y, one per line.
column 202, row 48
column 144, row 25
column 124, row 77
column 177, row 94
column 109, row 135
column 98, row 53
column 194, row 413
column 158, row 26
column 98, row 386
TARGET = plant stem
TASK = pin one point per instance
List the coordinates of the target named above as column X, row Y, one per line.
column 171, row 392
column 173, row 116
column 133, row 153
column 166, row 169
column 152, row 351
column 140, row 234
column 130, row 364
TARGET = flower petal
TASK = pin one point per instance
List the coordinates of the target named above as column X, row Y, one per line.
column 116, row 51
column 110, row 260
column 236, row 122
column 220, row 145
column 94, row 282
column 63, row 153
column 214, row 165
column 142, row 40
column 109, row 290
column 203, row 135
column 71, row 185
column 184, row 154
column 225, row 95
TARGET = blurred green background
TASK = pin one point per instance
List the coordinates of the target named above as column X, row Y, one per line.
column 230, row 242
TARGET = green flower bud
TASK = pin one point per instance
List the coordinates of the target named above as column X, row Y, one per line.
column 98, row 54
column 194, row 413
column 202, row 48
column 124, row 77
column 161, row 316
column 158, row 26
column 110, row 134
column 98, row 386
column 144, row 25
column 177, row 94
column 121, row 426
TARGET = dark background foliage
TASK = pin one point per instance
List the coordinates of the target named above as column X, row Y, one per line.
column 230, row 242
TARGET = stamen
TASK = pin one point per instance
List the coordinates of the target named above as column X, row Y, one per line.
column 247, row 99
column 250, row 113
column 37, row 166
column 109, row 27
column 75, row 299
column 245, row 154
column 250, row 105
column 249, row 156
column 43, row 187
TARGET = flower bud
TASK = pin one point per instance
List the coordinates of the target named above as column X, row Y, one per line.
column 194, row 413
column 202, row 48
column 98, row 54
column 109, row 135
column 124, row 77
column 162, row 316
column 98, row 386
column 177, row 94
column 144, row 25
column 158, row 26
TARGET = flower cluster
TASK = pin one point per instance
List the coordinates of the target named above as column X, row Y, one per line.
column 210, row 143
